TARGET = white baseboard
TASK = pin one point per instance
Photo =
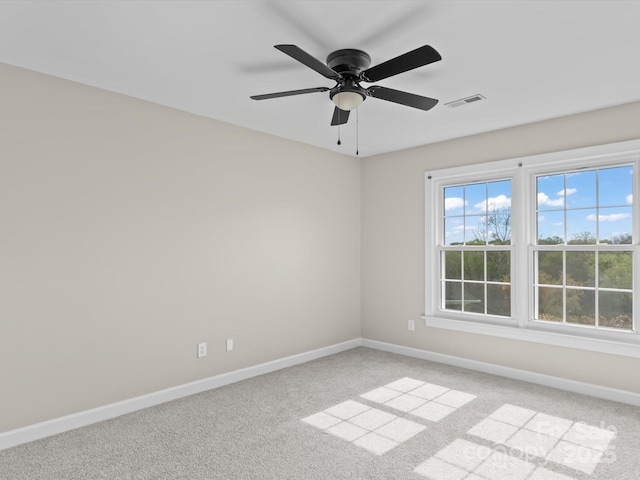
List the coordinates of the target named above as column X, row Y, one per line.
column 94, row 415
column 599, row 391
column 87, row 417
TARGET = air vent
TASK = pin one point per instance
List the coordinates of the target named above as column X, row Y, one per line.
column 464, row 101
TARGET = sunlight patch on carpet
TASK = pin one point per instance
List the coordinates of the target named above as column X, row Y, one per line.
column 462, row 459
column 522, row 443
column 369, row 428
column 575, row 445
column 525, row 445
column 378, row 431
column 424, row 400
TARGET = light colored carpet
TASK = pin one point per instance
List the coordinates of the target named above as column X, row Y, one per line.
column 361, row 414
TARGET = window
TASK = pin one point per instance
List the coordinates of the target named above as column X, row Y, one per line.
column 583, row 271
column 475, row 257
column 542, row 248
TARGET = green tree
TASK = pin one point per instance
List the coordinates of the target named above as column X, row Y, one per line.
column 554, row 240
column 582, row 238
column 496, row 228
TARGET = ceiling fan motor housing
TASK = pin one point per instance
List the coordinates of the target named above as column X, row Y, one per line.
column 348, row 63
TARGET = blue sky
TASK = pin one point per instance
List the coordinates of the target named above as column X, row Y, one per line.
column 594, row 201
column 466, row 207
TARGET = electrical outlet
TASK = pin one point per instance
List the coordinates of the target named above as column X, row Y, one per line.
column 229, row 344
column 411, row 325
column 202, row 350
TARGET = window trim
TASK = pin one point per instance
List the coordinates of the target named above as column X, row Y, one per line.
column 522, row 171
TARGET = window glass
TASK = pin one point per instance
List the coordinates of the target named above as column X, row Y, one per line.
column 476, row 266
column 547, row 192
column 616, row 310
column 586, row 207
column 615, row 270
column 615, row 225
column 581, row 189
column 615, row 186
column 592, row 285
column 550, row 228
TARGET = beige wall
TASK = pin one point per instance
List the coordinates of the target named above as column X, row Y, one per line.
column 130, row 232
column 393, row 245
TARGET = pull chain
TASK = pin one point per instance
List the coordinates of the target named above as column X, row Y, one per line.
column 339, row 120
column 357, row 130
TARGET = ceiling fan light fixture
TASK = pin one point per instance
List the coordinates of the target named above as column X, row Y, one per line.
column 347, row 100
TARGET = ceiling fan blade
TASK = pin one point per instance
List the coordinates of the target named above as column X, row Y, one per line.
column 340, row 117
column 403, row 98
column 312, row 62
column 289, row 93
column 408, row 61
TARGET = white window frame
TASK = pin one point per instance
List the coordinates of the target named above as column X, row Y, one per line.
column 521, row 326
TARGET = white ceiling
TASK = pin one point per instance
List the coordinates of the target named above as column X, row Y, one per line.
column 532, row 60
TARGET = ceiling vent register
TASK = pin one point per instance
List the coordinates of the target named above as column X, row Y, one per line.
column 465, row 101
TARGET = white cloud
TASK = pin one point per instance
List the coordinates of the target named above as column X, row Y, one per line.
column 461, row 228
column 501, row 201
column 629, row 199
column 543, row 199
column 495, row 203
column 457, row 230
column 567, row 192
column 609, row 218
column 451, row 203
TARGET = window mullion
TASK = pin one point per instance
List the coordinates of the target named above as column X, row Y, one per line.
column 522, row 230
column 564, row 284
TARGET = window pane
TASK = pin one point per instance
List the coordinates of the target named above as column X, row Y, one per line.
column 454, row 201
column 550, row 304
column 615, row 186
column 550, row 268
column 547, row 189
column 581, row 269
column 499, row 300
column 499, row 227
column 474, row 215
column 453, row 295
column 453, row 265
column 581, row 189
column 474, row 266
column 475, row 230
column 474, row 297
column 498, row 266
column 581, row 227
column 616, row 310
column 615, row 270
column 615, row 225
column 581, row 307
column 550, row 228
column 476, row 198
column 498, row 218
column 454, row 231
column 499, row 194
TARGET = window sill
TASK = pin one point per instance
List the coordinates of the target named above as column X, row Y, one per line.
column 612, row 347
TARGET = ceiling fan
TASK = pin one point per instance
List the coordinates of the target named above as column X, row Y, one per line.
column 348, row 67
